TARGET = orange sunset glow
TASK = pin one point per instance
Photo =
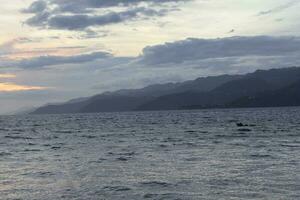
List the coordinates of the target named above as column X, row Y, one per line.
column 11, row 87
column 8, row 76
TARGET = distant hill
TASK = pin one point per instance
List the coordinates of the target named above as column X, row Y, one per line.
column 287, row 96
column 198, row 85
column 218, row 97
column 275, row 87
column 130, row 99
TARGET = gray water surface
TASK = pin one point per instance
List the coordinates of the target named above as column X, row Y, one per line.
column 152, row 155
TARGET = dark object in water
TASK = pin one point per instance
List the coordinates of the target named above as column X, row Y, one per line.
column 241, row 124
column 244, row 125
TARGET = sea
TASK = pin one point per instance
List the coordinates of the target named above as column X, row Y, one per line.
column 162, row 155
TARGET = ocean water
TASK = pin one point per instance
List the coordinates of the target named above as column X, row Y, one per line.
column 199, row 154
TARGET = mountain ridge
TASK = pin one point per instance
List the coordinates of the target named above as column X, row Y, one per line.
column 203, row 92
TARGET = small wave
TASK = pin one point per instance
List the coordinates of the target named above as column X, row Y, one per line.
column 150, row 196
column 122, row 159
column 89, row 136
column 116, row 188
column 290, row 145
column 190, row 131
column 163, row 146
column 169, row 139
column 101, row 160
column 192, row 159
column 156, row 184
column 32, row 150
column 64, row 131
column 40, row 174
column 233, row 121
column 55, row 147
column 122, row 156
column 5, row 154
column 170, row 196
column 244, row 130
column 261, row 156
column 132, row 153
column 18, row 137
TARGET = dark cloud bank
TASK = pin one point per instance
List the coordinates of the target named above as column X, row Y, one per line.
column 44, row 61
column 199, row 49
column 189, row 50
column 82, row 14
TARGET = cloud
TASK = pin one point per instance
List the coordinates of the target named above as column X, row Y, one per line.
column 90, row 34
column 81, row 6
column 81, row 22
column 7, row 47
column 200, row 49
column 11, row 56
column 44, row 61
column 82, row 14
column 36, row 7
column 14, row 49
column 279, row 8
column 39, row 19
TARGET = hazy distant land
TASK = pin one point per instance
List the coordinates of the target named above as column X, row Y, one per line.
column 263, row 88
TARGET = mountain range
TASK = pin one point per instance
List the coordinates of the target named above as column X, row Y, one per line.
column 263, row 88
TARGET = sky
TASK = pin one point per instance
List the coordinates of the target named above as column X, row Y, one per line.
column 56, row 50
